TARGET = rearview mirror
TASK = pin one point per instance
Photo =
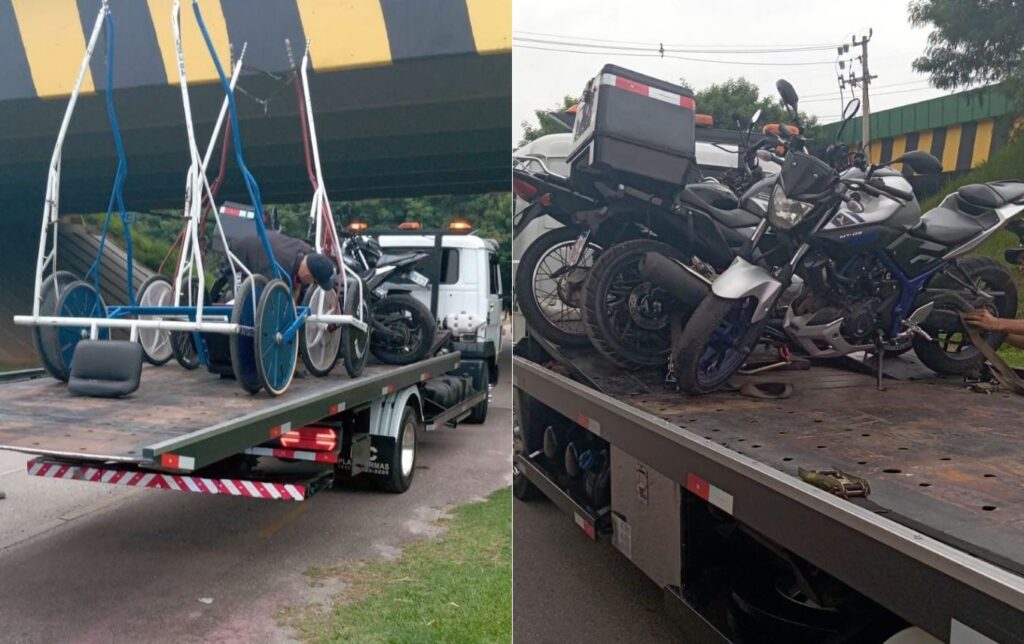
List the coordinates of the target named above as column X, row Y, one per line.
column 787, row 93
column 920, row 162
column 756, row 116
column 850, row 111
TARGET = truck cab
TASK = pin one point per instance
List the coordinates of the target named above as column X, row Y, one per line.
column 469, row 282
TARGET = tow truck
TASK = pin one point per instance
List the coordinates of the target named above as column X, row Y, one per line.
column 839, row 513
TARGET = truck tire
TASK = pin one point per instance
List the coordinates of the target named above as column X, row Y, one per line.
column 481, row 380
column 403, row 457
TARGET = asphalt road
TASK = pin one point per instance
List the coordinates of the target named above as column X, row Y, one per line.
column 86, row 562
column 567, row 588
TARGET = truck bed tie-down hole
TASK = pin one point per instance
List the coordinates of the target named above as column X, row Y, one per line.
column 892, row 470
column 988, row 508
column 787, row 458
column 990, row 476
column 925, row 484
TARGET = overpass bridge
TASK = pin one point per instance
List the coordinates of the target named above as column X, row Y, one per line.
column 412, row 97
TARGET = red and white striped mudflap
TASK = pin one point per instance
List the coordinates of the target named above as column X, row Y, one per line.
column 160, row 481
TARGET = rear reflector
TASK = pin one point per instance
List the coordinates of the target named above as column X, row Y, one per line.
column 621, row 82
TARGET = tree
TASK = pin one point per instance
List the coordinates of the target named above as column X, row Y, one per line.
column 738, row 97
column 546, row 123
column 973, row 42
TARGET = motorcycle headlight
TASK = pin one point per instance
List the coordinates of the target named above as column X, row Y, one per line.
column 783, row 212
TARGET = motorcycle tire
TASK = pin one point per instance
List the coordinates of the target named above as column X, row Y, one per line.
column 712, row 317
column 994, row 277
column 416, row 323
column 569, row 330
column 607, row 324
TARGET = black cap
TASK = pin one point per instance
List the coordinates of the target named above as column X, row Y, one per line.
column 322, row 270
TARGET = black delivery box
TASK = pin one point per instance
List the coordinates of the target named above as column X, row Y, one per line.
column 634, row 130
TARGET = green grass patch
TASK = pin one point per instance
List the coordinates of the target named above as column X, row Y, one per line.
column 456, row 588
column 1008, row 163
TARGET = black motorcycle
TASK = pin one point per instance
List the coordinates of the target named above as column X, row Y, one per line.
column 402, row 327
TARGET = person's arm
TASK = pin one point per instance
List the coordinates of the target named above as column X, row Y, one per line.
column 985, row 321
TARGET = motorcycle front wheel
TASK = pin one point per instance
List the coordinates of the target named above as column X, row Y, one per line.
column 716, row 343
column 403, row 330
column 549, row 293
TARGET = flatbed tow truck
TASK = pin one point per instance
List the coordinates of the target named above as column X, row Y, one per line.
column 841, row 513
column 185, row 431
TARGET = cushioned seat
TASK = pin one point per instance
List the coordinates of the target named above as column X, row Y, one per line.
column 734, row 218
column 947, row 227
column 992, row 194
column 105, row 368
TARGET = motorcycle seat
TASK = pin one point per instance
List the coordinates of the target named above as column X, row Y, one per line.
column 734, row 218
column 947, row 227
column 992, row 194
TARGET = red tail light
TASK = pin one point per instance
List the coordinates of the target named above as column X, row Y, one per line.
column 312, row 437
column 523, row 189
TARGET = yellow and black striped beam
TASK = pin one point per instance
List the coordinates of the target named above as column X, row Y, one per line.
column 961, row 146
column 42, row 41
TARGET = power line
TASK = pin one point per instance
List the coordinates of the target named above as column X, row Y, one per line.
column 657, row 54
column 660, row 47
column 793, row 47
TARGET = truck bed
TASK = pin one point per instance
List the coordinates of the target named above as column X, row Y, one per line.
column 178, row 413
column 943, row 462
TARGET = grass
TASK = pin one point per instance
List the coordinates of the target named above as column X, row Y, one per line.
column 1008, row 163
column 456, row 588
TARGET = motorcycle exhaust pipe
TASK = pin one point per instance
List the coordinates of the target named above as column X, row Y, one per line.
column 687, row 286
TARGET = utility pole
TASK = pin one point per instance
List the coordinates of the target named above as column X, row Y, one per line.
column 864, row 81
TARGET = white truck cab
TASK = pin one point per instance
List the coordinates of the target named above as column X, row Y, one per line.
column 470, row 283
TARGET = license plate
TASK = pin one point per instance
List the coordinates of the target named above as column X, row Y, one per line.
column 577, row 248
column 419, row 278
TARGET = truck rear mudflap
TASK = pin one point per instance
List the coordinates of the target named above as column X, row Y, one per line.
column 279, row 489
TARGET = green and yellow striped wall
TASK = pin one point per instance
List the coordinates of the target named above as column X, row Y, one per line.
column 963, row 129
column 42, row 41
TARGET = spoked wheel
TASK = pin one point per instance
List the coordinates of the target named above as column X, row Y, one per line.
column 183, row 343
column 276, row 355
column 951, row 351
column 45, row 337
column 79, row 300
column 716, row 342
column 156, row 344
column 241, row 346
column 626, row 316
column 355, row 344
column 406, row 330
column 549, row 292
column 319, row 341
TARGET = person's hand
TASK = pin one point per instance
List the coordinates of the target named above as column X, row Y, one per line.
column 982, row 319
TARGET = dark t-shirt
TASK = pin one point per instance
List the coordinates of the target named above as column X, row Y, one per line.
column 288, row 252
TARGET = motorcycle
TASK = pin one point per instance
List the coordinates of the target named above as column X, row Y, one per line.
column 877, row 276
column 402, row 327
column 575, row 292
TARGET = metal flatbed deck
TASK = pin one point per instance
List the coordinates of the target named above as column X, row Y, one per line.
column 944, row 464
column 184, row 420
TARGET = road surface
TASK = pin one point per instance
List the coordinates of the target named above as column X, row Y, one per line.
column 85, row 562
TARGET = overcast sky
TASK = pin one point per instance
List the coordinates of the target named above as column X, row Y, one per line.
column 541, row 78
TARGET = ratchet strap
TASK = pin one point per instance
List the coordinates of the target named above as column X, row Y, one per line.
column 1002, row 372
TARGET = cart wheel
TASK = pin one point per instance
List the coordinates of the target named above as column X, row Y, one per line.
column 276, row 356
column 45, row 337
column 355, row 344
column 183, row 343
column 243, row 347
column 79, row 300
column 156, row 344
column 319, row 341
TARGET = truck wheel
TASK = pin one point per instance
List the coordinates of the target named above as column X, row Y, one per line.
column 403, row 457
column 522, row 489
column 481, row 381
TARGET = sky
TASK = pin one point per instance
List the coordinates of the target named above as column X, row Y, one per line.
column 540, row 78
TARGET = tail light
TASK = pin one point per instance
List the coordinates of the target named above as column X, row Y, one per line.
column 311, row 437
column 524, row 190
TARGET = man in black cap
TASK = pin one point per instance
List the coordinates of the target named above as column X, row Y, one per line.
column 303, row 264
